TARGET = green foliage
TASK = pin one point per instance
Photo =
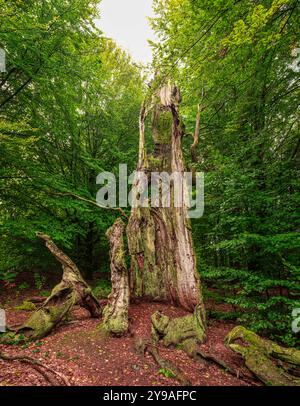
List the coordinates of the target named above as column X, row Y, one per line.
column 39, row 280
column 23, row 286
column 69, row 105
column 8, row 275
column 45, row 293
column 223, row 315
column 102, row 289
column 14, row 339
column 166, row 373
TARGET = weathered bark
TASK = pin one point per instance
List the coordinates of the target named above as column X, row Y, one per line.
column 71, row 291
column 116, row 311
column 271, row 363
column 163, row 263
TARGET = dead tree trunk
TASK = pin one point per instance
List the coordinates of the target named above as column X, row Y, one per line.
column 163, row 263
column 71, row 291
column 116, row 311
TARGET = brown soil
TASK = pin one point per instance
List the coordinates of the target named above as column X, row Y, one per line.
column 86, row 357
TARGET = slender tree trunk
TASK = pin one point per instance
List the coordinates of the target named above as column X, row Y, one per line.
column 163, row 263
column 116, row 311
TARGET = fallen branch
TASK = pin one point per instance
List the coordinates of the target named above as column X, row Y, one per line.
column 37, row 365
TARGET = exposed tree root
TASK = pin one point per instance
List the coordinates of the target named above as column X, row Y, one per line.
column 143, row 346
column 71, row 291
column 271, row 363
column 199, row 354
column 179, row 331
column 36, row 299
column 116, row 311
column 188, row 332
column 39, row 367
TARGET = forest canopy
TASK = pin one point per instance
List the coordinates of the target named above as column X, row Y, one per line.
column 70, row 100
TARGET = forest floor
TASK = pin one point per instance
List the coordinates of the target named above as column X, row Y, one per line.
column 86, row 357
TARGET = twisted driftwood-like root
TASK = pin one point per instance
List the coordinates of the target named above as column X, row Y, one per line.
column 271, row 363
column 116, row 311
column 71, row 291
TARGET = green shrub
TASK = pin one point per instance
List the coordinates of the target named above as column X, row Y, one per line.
column 39, row 280
column 102, row 289
column 166, row 372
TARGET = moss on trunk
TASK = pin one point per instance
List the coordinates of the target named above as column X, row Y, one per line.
column 71, row 291
column 116, row 311
column 186, row 331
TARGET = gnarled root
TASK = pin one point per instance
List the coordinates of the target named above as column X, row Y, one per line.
column 71, row 291
column 271, row 363
column 39, row 366
column 116, row 311
column 188, row 333
column 142, row 346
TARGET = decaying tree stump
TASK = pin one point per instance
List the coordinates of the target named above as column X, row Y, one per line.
column 187, row 331
column 71, row 291
column 271, row 363
column 116, row 311
column 163, row 263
